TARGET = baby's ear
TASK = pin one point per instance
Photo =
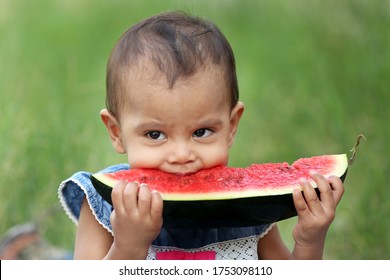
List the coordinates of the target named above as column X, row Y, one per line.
column 114, row 130
column 235, row 117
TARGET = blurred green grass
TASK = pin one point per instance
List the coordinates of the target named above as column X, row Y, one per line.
column 312, row 74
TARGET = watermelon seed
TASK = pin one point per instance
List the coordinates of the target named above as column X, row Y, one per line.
column 353, row 150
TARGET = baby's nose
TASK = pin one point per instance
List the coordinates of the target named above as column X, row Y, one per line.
column 181, row 153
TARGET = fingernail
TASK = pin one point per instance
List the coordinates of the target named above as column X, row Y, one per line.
column 154, row 192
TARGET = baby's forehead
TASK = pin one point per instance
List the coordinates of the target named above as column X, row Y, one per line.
column 146, row 71
column 147, row 79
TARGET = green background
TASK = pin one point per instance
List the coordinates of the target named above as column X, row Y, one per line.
column 312, row 74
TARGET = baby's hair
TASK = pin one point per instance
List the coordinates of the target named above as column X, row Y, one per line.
column 178, row 44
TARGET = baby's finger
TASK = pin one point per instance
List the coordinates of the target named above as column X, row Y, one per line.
column 156, row 209
column 130, row 196
column 117, row 196
column 311, row 197
column 326, row 192
column 338, row 188
column 144, row 200
column 300, row 203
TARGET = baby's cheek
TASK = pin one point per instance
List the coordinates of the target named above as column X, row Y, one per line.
column 218, row 155
column 144, row 158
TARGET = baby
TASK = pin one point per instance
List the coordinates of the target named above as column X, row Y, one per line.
column 173, row 105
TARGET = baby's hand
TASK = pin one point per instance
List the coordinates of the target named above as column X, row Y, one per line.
column 315, row 214
column 136, row 219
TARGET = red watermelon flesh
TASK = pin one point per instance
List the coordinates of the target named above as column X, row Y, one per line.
column 226, row 182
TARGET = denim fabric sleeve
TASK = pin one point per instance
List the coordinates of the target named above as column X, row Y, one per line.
column 73, row 190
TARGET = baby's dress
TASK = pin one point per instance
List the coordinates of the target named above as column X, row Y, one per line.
column 217, row 243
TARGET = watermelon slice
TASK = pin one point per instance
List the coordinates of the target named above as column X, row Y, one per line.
column 225, row 196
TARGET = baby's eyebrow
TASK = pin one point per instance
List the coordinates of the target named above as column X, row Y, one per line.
column 149, row 125
column 210, row 122
column 156, row 125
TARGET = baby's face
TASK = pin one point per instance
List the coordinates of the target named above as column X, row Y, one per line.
column 179, row 130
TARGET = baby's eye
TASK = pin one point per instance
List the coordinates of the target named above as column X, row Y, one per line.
column 155, row 135
column 203, row 132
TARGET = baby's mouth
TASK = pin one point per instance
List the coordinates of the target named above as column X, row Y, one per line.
column 183, row 173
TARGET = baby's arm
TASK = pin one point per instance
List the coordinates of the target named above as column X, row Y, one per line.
column 136, row 221
column 92, row 240
column 314, row 218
